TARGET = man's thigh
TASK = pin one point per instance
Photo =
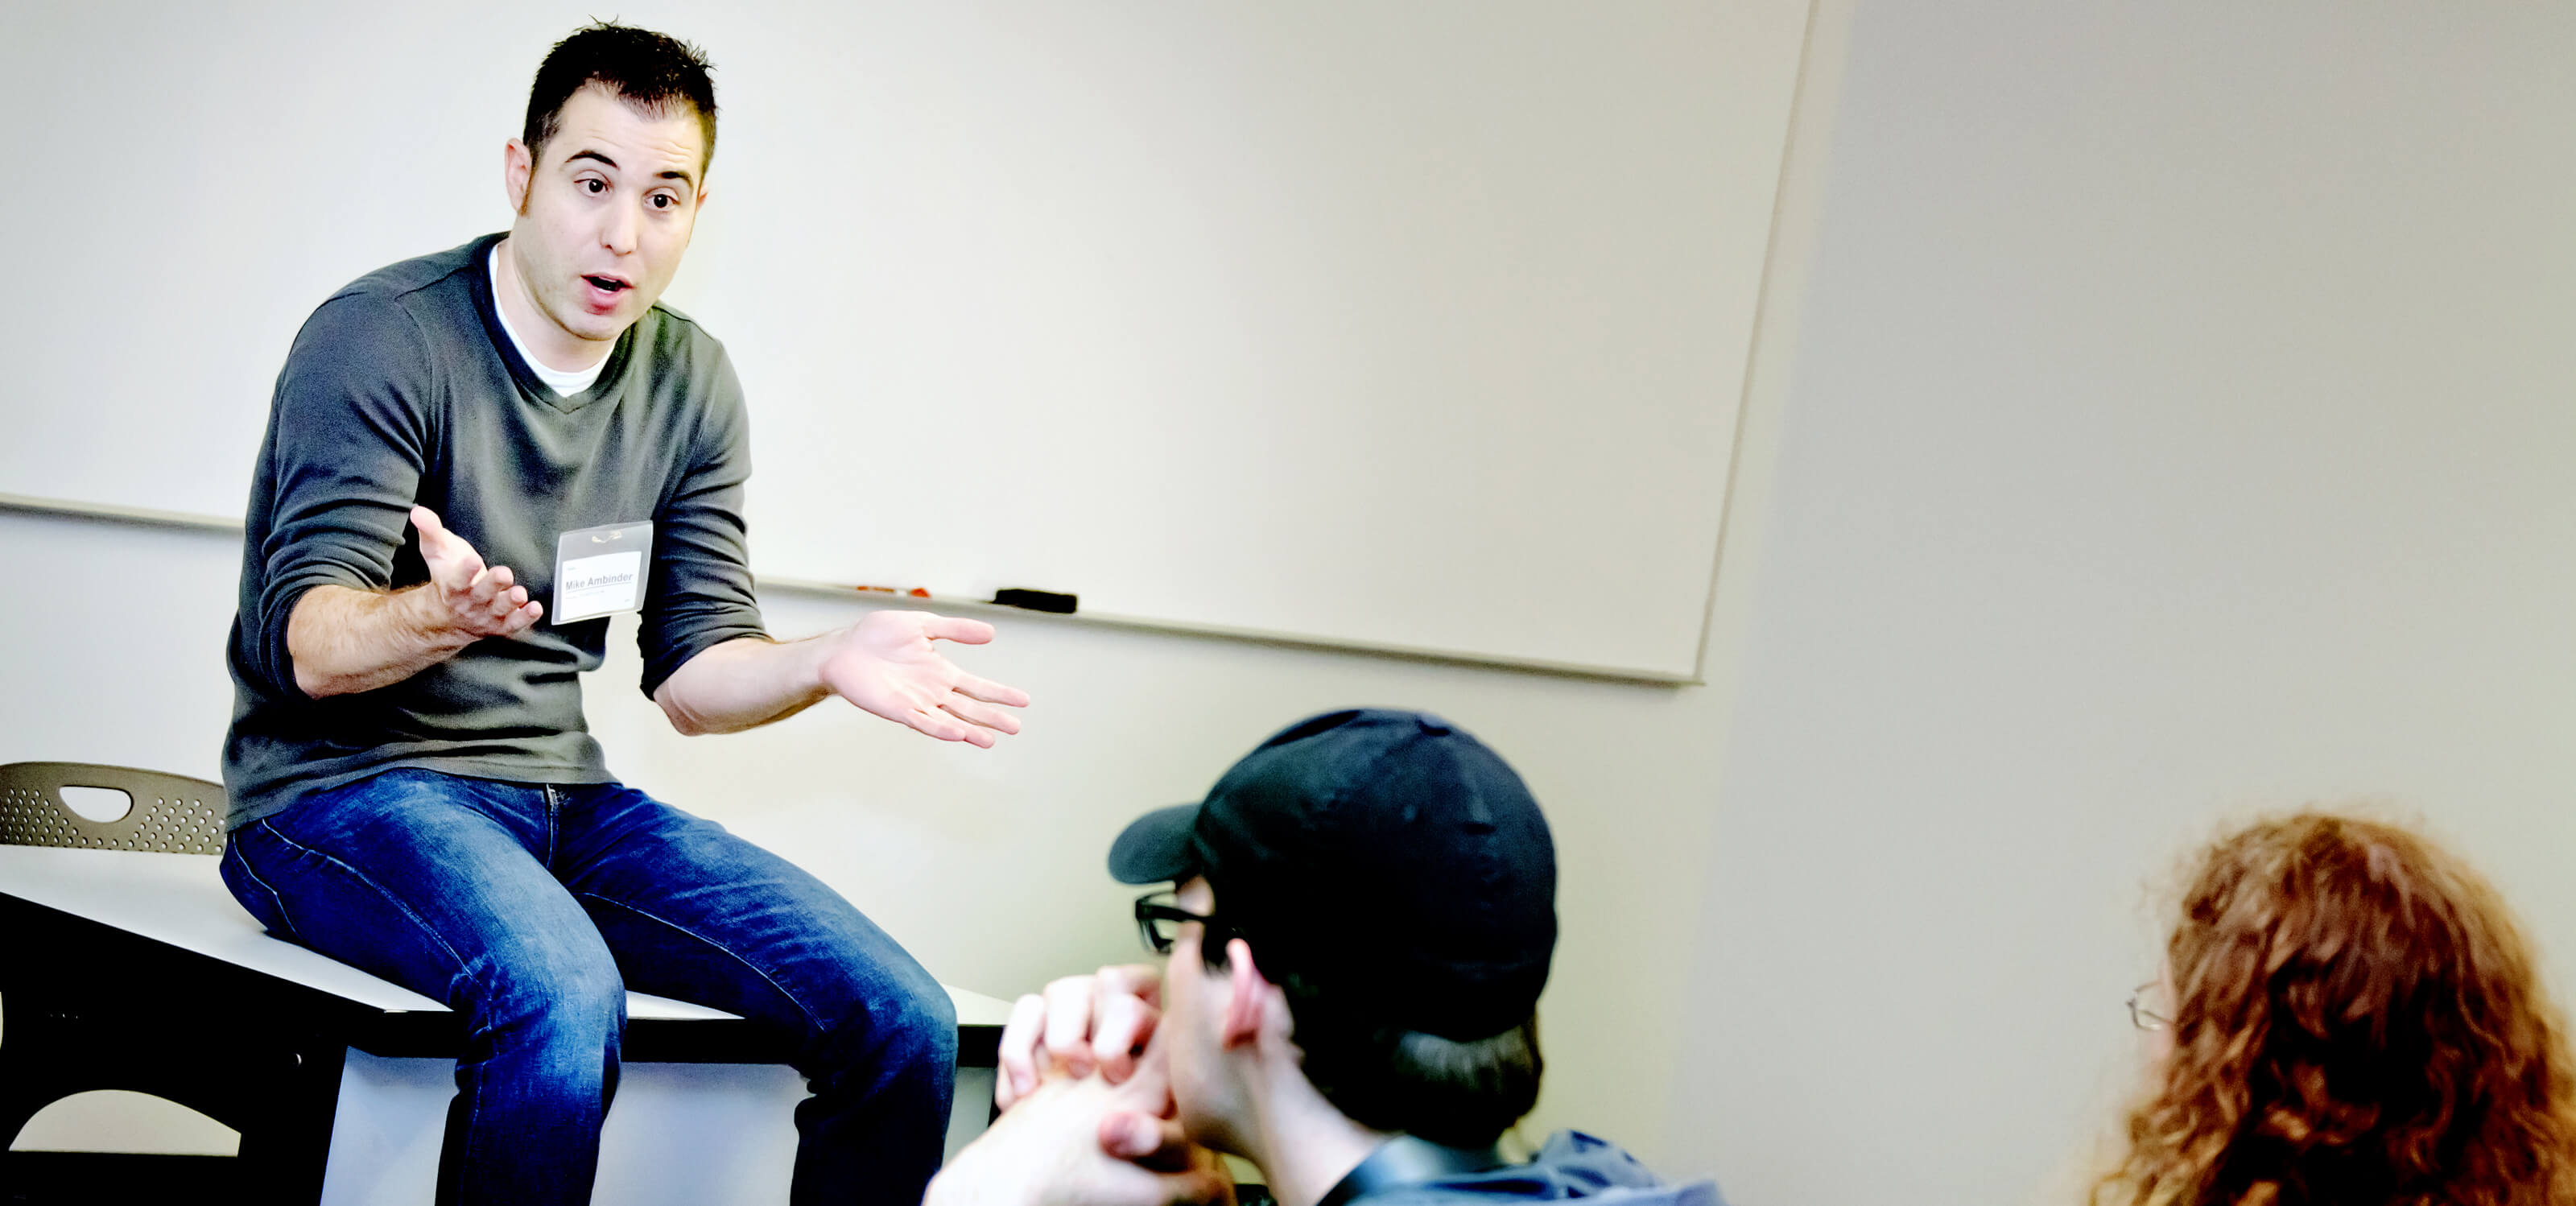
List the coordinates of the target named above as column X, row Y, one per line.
column 421, row 879
column 693, row 912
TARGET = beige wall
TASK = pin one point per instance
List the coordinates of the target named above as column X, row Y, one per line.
column 2179, row 428
column 2161, row 416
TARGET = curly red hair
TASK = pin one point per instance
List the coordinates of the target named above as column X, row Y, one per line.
column 2358, row 1022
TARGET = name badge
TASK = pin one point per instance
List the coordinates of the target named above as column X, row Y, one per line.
column 600, row 571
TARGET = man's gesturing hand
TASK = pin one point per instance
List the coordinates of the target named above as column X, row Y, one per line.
column 464, row 595
column 885, row 664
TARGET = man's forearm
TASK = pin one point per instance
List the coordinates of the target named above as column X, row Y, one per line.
column 744, row 683
column 344, row 641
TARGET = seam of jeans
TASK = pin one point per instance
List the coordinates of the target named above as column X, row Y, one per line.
column 276, row 898
column 729, row 952
column 391, row 899
column 554, row 823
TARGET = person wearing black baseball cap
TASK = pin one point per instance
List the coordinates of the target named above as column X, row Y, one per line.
column 1362, row 918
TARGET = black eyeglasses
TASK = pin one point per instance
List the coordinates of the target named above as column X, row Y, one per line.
column 1160, row 924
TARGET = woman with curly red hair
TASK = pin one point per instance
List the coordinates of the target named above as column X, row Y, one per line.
column 2355, row 1020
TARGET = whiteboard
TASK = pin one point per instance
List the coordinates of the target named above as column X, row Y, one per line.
column 1413, row 324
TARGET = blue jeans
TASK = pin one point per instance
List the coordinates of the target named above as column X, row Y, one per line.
column 531, row 910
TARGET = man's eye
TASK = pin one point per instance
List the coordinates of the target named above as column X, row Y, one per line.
column 595, row 186
column 664, row 201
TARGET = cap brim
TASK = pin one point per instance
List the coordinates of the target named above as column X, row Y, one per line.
column 1156, row 847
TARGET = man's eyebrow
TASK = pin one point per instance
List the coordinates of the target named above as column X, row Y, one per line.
column 673, row 174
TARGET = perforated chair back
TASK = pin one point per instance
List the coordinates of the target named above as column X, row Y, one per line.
column 173, row 814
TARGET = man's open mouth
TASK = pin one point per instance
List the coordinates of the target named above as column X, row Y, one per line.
column 605, row 284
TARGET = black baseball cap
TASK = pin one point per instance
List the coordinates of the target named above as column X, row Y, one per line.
column 1385, row 856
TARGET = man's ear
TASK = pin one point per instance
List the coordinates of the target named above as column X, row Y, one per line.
column 1247, row 995
column 516, row 167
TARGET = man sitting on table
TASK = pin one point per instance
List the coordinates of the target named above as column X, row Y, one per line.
column 1363, row 916
column 473, row 459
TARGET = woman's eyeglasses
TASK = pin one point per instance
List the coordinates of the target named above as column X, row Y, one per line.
column 2140, row 1015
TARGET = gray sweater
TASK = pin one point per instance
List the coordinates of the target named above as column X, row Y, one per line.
column 402, row 389
column 1572, row 1165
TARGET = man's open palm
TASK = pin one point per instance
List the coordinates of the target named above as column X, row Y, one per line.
column 470, row 596
column 887, row 665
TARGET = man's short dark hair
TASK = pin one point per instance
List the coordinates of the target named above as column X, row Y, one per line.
column 648, row 70
column 1461, row 1093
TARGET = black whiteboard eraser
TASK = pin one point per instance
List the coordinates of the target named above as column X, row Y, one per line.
column 1034, row 600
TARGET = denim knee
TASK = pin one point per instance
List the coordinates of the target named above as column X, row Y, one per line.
column 934, row 1016
column 900, row 1029
column 565, row 996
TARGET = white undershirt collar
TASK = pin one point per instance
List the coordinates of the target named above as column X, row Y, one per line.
column 561, row 381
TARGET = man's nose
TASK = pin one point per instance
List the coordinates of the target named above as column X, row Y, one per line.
column 617, row 234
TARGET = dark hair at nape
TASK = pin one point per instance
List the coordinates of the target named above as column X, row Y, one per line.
column 1463, row 1093
column 646, row 69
